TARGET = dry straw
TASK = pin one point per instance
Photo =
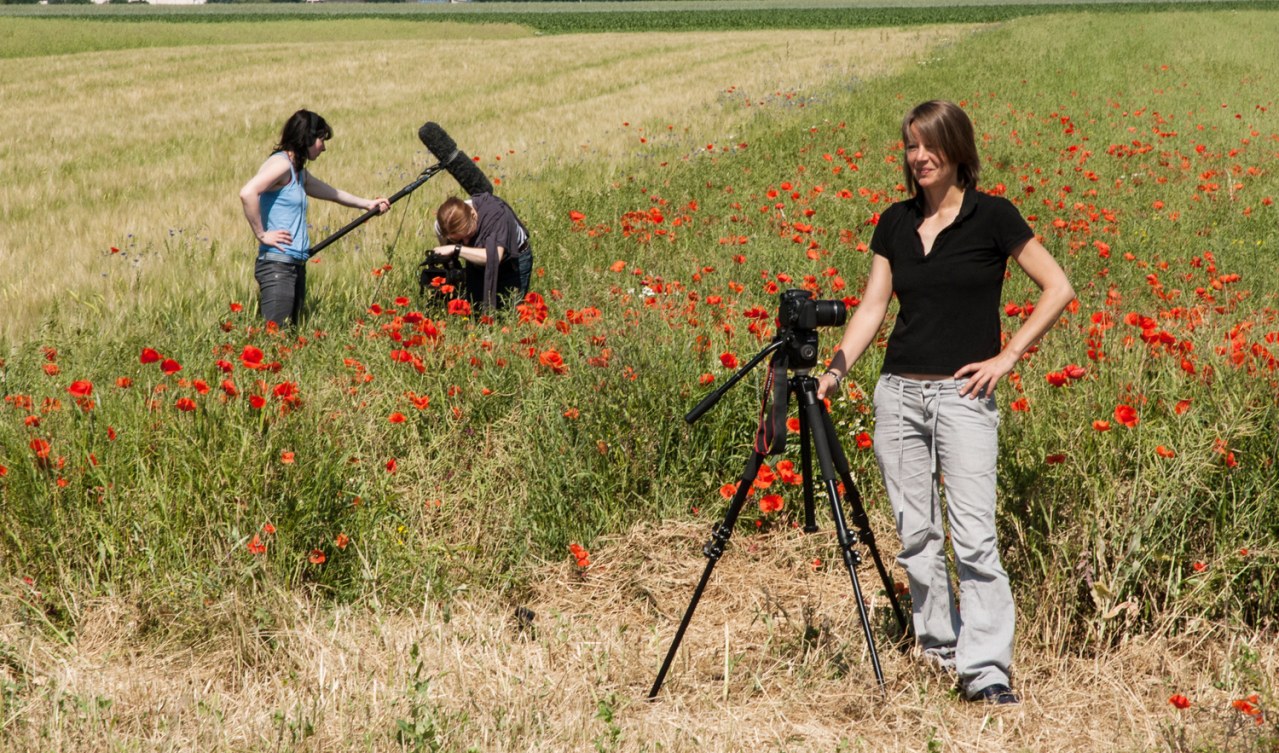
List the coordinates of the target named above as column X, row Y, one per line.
column 576, row 675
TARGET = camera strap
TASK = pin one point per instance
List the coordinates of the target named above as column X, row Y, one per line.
column 770, row 434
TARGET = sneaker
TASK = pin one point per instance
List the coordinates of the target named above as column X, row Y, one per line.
column 997, row 694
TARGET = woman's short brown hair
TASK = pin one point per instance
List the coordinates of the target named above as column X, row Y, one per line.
column 455, row 221
column 946, row 127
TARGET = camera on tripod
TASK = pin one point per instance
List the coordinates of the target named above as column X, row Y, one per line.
column 794, row 349
column 799, row 314
column 799, row 310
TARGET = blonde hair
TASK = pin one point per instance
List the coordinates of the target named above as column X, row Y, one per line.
column 455, row 221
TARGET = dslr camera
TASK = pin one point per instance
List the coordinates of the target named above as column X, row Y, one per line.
column 799, row 315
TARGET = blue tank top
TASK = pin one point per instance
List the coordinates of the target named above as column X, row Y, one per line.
column 285, row 209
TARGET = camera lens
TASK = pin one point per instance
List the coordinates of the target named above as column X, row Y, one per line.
column 830, row 313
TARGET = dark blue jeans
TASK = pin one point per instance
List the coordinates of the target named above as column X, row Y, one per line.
column 513, row 277
column 282, row 289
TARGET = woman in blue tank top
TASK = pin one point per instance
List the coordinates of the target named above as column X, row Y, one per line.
column 275, row 203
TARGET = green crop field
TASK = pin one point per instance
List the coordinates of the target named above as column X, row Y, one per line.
column 215, row 536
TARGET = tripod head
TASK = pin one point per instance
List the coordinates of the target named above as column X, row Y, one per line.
column 794, row 346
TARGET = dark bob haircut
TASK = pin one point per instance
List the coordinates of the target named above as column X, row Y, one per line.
column 298, row 134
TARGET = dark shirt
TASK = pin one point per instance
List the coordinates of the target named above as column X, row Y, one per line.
column 948, row 313
column 498, row 227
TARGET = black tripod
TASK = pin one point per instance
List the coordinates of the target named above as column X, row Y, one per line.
column 817, row 432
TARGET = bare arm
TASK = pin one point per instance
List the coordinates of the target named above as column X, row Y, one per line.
column 318, row 189
column 469, row 253
column 273, row 175
column 864, row 325
column 1056, row 293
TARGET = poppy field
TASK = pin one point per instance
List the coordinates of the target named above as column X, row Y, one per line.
column 176, row 476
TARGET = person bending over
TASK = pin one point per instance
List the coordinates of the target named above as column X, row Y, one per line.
column 275, row 204
column 943, row 253
column 484, row 231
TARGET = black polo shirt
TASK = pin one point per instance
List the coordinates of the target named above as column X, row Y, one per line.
column 949, row 300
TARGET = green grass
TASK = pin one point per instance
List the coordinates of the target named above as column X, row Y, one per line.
column 545, row 18
column 511, row 461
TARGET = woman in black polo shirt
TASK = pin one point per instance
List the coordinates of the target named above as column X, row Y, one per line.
column 943, row 254
column 487, row 234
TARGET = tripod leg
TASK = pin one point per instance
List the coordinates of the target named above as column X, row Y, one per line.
column 860, row 520
column 713, row 550
column 806, row 389
column 806, row 467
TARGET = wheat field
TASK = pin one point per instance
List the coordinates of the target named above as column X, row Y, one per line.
column 144, row 151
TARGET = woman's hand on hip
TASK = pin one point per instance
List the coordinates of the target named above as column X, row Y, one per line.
column 276, row 238
column 984, row 375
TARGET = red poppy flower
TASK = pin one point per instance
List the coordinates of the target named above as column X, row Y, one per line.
column 170, row 367
column 771, row 503
column 257, row 401
column 576, row 216
column 765, row 477
column 728, row 490
column 236, row 307
column 706, row 378
column 1164, row 452
column 111, row 434
column 316, row 557
column 1181, row 407
column 286, row 457
column 185, row 404
column 392, row 466
column 552, row 360
column 459, row 307
column 40, row 447
column 255, row 545
column 123, row 382
column 81, row 388
column 865, row 441
column 1180, row 701
column 1126, row 415
column 251, row 357
column 149, row 356
column 728, row 360
column 1199, row 567
column 1101, row 425
column 792, row 425
column 396, row 418
column 582, row 557
column 341, row 541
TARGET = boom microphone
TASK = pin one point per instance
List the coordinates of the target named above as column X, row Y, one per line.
column 454, row 160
